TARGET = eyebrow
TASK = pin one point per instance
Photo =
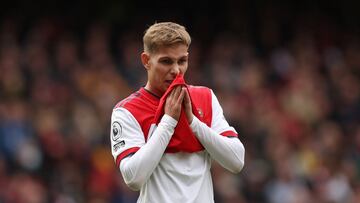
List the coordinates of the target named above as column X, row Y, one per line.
column 168, row 57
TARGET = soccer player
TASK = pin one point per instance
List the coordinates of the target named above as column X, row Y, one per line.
column 169, row 160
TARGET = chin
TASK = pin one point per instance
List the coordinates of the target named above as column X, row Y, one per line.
column 165, row 89
column 166, row 86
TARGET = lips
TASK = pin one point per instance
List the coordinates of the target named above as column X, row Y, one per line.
column 169, row 81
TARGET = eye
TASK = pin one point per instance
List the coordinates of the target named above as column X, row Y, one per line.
column 182, row 61
column 166, row 61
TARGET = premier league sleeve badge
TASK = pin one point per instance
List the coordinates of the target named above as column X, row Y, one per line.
column 116, row 135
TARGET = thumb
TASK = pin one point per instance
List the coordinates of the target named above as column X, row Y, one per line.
column 187, row 97
column 188, row 107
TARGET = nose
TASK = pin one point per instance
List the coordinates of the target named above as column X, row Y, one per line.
column 175, row 69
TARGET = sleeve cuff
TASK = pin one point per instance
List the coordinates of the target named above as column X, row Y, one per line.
column 168, row 121
column 194, row 123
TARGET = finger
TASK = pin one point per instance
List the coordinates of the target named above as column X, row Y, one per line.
column 181, row 96
column 170, row 96
column 187, row 97
column 177, row 91
column 187, row 101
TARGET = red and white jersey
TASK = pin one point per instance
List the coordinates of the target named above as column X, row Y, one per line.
column 179, row 176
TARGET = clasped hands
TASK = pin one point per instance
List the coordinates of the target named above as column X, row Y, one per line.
column 177, row 99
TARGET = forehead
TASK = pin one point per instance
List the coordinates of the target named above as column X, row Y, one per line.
column 172, row 51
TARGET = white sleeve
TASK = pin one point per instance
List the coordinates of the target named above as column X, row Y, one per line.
column 126, row 135
column 137, row 169
column 228, row 151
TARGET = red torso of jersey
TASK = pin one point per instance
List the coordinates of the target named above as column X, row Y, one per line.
column 143, row 105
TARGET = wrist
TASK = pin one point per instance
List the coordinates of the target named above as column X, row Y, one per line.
column 168, row 121
column 191, row 119
column 193, row 123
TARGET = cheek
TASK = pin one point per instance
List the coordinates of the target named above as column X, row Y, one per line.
column 184, row 69
column 162, row 71
column 158, row 74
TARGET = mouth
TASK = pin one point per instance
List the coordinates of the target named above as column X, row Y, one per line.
column 168, row 82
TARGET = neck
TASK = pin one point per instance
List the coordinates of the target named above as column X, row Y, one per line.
column 152, row 90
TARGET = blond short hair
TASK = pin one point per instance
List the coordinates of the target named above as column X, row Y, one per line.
column 165, row 34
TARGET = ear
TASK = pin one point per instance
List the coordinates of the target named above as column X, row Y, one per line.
column 145, row 59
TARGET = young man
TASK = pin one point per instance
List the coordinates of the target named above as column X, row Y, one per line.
column 162, row 159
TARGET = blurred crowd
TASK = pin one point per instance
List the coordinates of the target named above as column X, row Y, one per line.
column 294, row 100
